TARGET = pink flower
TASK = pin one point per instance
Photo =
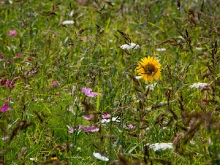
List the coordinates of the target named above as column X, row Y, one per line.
column 88, row 117
column 88, row 92
column 106, row 116
column 88, row 128
column 1, row 55
column 54, row 83
column 5, row 108
column 19, row 55
column 11, row 84
column 80, row 127
column 91, row 129
column 71, row 130
column 130, row 126
column 4, row 81
column 5, row 138
column 13, row 33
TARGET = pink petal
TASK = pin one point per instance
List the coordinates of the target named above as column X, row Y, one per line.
column 5, row 138
column 106, row 116
column 88, row 117
column 5, row 108
column 71, row 130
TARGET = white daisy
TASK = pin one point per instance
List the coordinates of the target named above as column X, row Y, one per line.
column 100, row 157
column 129, row 46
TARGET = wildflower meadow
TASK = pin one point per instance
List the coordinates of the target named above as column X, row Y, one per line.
column 109, row 82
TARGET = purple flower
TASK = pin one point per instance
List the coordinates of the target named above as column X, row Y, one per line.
column 5, row 108
column 88, row 128
column 5, row 138
column 106, row 116
column 88, row 92
column 13, row 33
column 88, row 117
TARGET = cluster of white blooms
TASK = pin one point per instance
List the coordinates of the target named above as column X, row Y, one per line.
column 68, row 22
column 161, row 49
column 129, row 46
column 100, row 157
column 199, row 85
column 114, row 119
column 151, row 86
column 160, row 146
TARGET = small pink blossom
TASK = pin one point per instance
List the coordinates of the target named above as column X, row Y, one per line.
column 88, row 128
column 71, row 130
column 80, row 127
column 131, row 126
column 5, row 138
column 88, row 117
column 106, row 116
column 91, row 129
column 13, row 33
column 11, row 84
column 88, row 92
column 19, row 55
column 4, row 81
column 5, row 108
column 55, row 83
column 1, row 55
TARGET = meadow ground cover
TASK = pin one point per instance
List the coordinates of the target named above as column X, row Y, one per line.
column 109, row 82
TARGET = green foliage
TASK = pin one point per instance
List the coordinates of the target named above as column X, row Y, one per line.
column 58, row 60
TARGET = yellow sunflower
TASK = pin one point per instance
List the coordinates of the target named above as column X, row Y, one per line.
column 149, row 68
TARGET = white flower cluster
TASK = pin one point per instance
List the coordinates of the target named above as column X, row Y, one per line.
column 199, row 85
column 161, row 49
column 114, row 119
column 129, row 46
column 68, row 22
column 160, row 146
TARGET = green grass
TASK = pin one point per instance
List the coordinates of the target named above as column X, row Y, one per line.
column 88, row 54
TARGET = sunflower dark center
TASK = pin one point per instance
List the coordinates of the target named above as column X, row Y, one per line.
column 150, row 69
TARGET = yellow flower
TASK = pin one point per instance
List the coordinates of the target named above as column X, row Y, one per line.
column 149, row 68
column 53, row 158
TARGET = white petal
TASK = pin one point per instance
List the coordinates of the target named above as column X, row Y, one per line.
column 100, row 157
column 138, row 77
column 129, row 46
column 71, row 13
